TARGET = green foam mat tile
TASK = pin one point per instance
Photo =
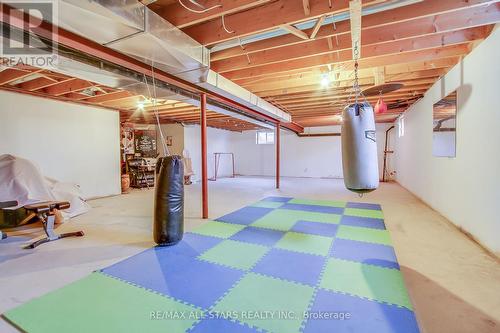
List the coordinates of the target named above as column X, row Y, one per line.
column 284, row 219
column 327, row 203
column 305, row 243
column 373, row 282
column 261, row 295
column 359, row 212
column 99, row 303
column 235, row 254
column 267, row 204
column 364, row 234
column 218, row 229
column 243, row 267
column 312, row 216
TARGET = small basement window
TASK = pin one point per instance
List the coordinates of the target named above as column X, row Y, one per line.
column 264, row 138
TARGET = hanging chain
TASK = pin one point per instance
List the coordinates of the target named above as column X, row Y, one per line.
column 356, row 88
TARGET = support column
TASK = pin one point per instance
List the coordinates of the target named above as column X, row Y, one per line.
column 204, row 175
column 277, row 142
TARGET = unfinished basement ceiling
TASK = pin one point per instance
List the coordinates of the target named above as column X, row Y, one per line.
column 133, row 107
column 282, row 50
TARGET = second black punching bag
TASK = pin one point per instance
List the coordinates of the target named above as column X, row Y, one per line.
column 169, row 201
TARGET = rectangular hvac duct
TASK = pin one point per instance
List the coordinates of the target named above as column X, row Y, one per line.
column 133, row 29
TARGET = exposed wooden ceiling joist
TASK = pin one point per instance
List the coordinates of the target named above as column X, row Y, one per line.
column 39, row 83
column 12, row 74
column 342, row 81
column 60, row 87
column 176, row 14
column 413, row 44
column 374, row 46
column 430, row 17
column 263, row 18
column 377, row 59
column 68, row 86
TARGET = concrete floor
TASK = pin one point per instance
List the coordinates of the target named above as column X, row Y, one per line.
column 454, row 285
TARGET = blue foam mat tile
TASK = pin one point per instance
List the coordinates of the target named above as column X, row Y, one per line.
column 314, row 208
column 364, row 315
column 367, row 253
column 365, row 222
column 291, row 266
column 315, row 228
column 215, row 324
column 245, row 216
column 261, row 236
column 363, row 205
column 277, row 199
column 184, row 278
column 191, row 245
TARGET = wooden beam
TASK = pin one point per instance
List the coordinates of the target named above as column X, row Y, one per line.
column 313, row 81
column 75, row 96
column 109, row 97
column 307, row 7
column 171, row 111
column 12, row 74
column 375, row 46
column 326, row 120
column 430, row 16
column 126, row 102
column 305, row 74
column 317, row 26
column 52, row 97
column 302, row 106
column 379, row 75
column 182, row 18
column 38, row 83
column 355, row 22
column 279, row 93
column 73, row 85
column 269, row 16
column 294, row 31
column 334, row 96
column 380, row 60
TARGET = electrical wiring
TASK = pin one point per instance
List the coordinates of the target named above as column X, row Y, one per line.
column 198, row 11
column 224, row 26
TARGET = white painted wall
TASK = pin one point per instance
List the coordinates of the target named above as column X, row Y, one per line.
column 69, row 142
column 465, row 189
column 300, row 157
column 176, row 131
column 218, row 141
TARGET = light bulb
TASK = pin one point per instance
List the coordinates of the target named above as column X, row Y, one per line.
column 325, row 80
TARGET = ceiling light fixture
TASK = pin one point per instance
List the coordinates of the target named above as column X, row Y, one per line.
column 325, row 80
column 140, row 106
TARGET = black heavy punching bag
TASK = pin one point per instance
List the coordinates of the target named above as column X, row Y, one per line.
column 169, row 201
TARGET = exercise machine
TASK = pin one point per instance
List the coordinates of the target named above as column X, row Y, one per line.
column 45, row 212
column 6, row 204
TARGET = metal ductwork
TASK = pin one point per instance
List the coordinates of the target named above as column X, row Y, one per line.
column 131, row 28
column 116, row 77
column 86, row 67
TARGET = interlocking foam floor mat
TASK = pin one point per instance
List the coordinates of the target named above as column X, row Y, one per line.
column 280, row 265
